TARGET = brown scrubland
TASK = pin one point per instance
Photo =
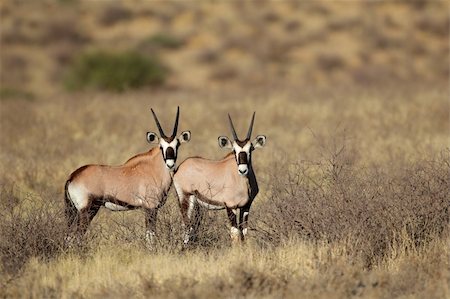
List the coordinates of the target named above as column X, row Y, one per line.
column 354, row 179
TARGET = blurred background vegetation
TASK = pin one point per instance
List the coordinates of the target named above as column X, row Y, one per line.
column 216, row 44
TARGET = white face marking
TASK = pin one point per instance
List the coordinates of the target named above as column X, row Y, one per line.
column 170, row 163
column 79, row 195
column 242, row 168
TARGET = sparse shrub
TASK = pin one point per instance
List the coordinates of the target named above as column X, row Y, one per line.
column 224, row 72
column 376, row 209
column 114, row 14
column 13, row 93
column 212, row 230
column 328, row 61
column 30, row 227
column 164, row 40
column 64, row 30
column 429, row 23
column 208, row 56
column 115, row 71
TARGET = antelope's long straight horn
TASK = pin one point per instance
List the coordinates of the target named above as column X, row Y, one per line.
column 249, row 133
column 175, row 127
column 161, row 132
column 233, row 131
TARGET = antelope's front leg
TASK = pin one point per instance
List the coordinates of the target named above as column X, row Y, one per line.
column 150, row 233
column 188, row 207
column 243, row 221
column 235, row 232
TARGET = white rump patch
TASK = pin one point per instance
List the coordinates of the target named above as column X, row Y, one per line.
column 78, row 195
column 113, row 207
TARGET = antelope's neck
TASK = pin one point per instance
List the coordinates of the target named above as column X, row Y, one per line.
column 158, row 160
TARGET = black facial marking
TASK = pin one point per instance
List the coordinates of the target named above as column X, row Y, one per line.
column 169, row 139
column 170, row 153
column 242, row 158
column 241, row 143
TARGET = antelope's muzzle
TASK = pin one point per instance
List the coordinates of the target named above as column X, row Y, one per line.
column 242, row 163
column 170, row 158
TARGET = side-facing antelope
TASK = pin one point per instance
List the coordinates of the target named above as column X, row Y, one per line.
column 228, row 184
column 142, row 182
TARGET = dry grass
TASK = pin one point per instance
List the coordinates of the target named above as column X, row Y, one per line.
column 354, row 196
column 294, row 269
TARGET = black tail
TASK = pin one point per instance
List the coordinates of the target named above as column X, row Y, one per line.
column 71, row 211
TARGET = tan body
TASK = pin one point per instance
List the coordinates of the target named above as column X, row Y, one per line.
column 215, row 183
column 143, row 181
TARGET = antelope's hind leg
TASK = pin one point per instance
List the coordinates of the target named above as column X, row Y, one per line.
column 189, row 207
column 82, row 222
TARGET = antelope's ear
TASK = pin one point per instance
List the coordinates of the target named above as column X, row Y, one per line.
column 259, row 141
column 185, row 136
column 152, row 137
column 224, row 142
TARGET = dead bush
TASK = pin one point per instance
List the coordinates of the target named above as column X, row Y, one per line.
column 30, row 227
column 114, row 14
column 212, row 229
column 374, row 207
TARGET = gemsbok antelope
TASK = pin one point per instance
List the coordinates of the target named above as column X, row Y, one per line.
column 142, row 182
column 228, row 184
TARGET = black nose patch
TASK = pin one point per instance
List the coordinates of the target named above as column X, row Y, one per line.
column 170, row 153
column 242, row 158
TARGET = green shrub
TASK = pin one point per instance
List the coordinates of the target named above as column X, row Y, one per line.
column 114, row 71
column 164, row 40
column 13, row 93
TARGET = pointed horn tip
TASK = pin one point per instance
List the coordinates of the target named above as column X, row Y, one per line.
column 250, row 129
column 175, row 127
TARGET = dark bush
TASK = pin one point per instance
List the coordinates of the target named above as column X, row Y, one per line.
column 114, row 14
column 164, row 40
column 115, row 71
column 13, row 93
